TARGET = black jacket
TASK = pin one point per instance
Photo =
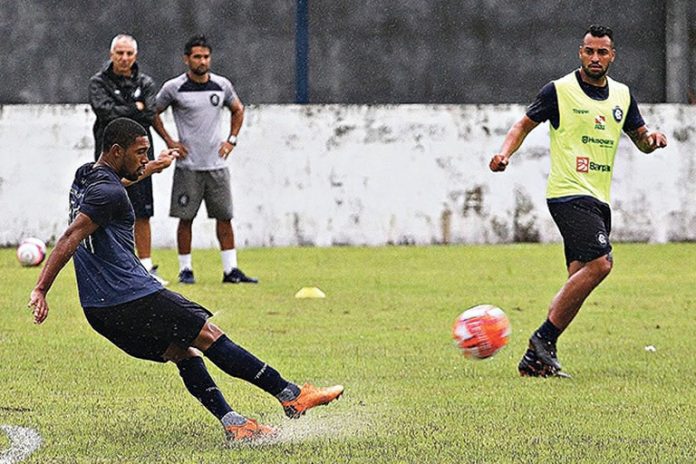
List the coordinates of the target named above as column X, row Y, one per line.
column 113, row 96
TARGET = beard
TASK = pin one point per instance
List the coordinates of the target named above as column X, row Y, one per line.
column 200, row 70
column 595, row 74
column 133, row 176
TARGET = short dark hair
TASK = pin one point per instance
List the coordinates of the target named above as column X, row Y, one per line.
column 600, row 31
column 198, row 40
column 121, row 132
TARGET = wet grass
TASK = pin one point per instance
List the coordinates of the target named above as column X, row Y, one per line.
column 384, row 332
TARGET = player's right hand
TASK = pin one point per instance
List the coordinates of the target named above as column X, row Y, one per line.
column 165, row 159
column 37, row 302
column 498, row 163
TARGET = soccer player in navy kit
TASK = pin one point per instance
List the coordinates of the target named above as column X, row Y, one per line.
column 588, row 111
column 198, row 99
column 125, row 304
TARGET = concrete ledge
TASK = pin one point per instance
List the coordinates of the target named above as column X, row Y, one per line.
column 325, row 175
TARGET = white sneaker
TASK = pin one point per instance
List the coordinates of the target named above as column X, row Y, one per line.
column 153, row 273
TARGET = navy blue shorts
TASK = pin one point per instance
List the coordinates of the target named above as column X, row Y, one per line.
column 585, row 224
column 146, row 327
column 140, row 195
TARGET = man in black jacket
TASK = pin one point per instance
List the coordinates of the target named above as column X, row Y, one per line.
column 121, row 90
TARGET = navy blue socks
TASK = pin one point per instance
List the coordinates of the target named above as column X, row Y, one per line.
column 238, row 362
column 202, row 386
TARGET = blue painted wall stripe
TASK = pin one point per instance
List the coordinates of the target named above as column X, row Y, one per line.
column 302, row 52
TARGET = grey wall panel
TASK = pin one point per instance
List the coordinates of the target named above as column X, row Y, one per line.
column 361, row 51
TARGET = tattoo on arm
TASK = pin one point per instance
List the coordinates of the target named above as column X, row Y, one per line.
column 640, row 139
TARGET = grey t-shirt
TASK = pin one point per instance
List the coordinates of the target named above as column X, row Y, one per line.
column 197, row 110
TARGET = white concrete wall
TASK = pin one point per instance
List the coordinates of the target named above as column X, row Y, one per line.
column 361, row 175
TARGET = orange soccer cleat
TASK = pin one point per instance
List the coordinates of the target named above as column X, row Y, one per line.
column 309, row 397
column 249, row 431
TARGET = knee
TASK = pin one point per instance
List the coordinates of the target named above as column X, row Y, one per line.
column 176, row 354
column 207, row 336
column 604, row 265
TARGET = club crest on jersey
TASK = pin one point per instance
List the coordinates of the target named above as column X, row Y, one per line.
column 617, row 113
column 214, row 99
column 582, row 164
column 600, row 122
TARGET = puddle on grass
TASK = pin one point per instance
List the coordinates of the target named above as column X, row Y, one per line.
column 310, row 428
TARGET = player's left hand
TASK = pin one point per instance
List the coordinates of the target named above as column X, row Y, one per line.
column 37, row 302
column 225, row 149
column 656, row 140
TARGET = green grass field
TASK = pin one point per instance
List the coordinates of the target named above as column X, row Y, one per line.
column 384, row 332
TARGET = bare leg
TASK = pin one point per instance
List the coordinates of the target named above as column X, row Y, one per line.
column 183, row 236
column 225, row 234
column 207, row 336
column 582, row 279
column 175, row 353
column 540, row 358
column 143, row 237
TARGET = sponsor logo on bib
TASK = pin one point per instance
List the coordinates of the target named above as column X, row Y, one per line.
column 600, row 122
column 582, row 164
column 604, row 143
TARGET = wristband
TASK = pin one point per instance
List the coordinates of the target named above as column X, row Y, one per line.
column 232, row 139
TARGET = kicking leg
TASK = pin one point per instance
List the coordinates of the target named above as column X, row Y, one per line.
column 202, row 386
column 238, row 362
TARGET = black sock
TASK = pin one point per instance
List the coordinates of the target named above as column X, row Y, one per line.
column 549, row 332
column 202, row 386
column 238, row 362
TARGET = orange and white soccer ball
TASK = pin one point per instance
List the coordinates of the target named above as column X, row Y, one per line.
column 31, row 252
column 481, row 331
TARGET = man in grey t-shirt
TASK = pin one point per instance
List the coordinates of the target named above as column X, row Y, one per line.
column 198, row 98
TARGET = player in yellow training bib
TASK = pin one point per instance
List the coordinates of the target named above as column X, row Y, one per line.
column 587, row 111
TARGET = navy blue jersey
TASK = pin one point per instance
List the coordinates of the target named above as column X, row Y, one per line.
column 108, row 271
column 545, row 106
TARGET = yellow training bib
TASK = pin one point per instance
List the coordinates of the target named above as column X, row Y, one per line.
column 584, row 145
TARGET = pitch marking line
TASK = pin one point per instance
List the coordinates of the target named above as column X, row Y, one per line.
column 23, row 442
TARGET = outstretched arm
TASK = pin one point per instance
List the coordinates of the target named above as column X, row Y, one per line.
column 66, row 245
column 647, row 141
column 514, row 138
column 163, row 161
